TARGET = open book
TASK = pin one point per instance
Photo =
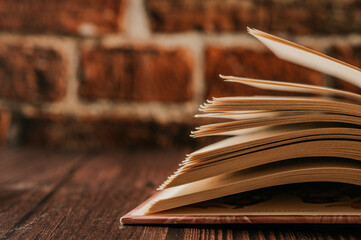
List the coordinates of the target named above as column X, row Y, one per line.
column 287, row 159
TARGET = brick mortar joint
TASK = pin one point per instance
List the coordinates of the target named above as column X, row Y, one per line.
column 204, row 40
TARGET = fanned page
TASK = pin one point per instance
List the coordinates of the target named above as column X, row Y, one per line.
column 293, row 87
column 306, row 57
column 272, row 141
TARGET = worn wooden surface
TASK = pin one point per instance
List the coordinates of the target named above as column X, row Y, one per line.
column 62, row 195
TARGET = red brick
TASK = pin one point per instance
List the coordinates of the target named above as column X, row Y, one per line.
column 32, row 73
column 137, row 73
column 350, row 54
column 298, row 16
column 5, row 119
column 253, row 63
column 62, row 16
column 103, row 133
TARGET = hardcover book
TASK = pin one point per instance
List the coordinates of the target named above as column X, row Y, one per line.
column 287, row 159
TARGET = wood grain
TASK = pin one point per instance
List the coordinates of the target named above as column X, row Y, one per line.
column 52, row 195
column 27, row 180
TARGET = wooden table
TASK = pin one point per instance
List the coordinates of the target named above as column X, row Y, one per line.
column 62, row 195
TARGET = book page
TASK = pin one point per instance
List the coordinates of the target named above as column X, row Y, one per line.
column 294, row 199
column 231, row 126
column 303, row 56
column 292, row 87
column 271, row 103
column 265, row 137
column 311, row 148
column 302, row 170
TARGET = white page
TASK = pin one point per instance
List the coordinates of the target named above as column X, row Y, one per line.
column 291, row 87
column 309, row 58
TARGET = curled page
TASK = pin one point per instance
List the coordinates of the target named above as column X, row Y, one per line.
column 303, row 56
column 292, row 87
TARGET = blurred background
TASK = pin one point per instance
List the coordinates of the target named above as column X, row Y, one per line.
column 118, row 74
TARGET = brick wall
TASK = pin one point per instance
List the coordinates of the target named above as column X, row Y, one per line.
column 132, row 73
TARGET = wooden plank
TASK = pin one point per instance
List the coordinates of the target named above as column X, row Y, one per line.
column 89, row 205
column 27, row 179
column 64, row 197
